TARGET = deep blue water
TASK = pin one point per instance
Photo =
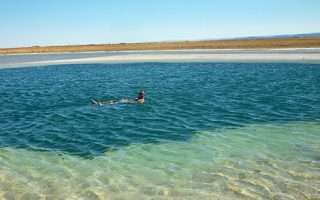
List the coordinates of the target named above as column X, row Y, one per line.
column 48, row 108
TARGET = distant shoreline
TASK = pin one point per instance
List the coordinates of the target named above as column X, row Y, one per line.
column 242, row 44
column 175, row 50
column 197, row 56
column 294, row 55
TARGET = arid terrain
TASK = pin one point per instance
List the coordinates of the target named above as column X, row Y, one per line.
column 211, row 44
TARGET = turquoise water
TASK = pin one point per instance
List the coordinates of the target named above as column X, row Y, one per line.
column 206, row 131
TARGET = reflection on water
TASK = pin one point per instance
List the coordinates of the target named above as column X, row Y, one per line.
column 251, row 162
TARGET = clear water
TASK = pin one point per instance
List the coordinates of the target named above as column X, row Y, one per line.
column 207, row 131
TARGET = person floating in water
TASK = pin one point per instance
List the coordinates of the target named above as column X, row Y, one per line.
column 140, row 99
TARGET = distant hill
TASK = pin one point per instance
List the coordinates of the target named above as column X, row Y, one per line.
column 303, row 35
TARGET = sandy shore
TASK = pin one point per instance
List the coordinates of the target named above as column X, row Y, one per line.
column 284, row 55
column 224, row 56
column 190, row 57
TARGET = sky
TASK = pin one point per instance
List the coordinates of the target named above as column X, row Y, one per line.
column 67, row 22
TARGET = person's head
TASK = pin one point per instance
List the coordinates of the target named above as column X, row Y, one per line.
column 141, row 95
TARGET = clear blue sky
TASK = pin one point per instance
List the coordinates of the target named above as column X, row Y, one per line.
column 67, row 22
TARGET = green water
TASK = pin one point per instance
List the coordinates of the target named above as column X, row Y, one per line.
column 206, row 131
column 252, row 162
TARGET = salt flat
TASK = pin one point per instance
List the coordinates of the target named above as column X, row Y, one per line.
column 295, row 55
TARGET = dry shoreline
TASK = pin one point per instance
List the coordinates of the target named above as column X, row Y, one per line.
column 223, row 57
column 300, row 55
column 275, row 43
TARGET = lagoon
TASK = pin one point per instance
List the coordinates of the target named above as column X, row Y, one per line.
column 208, row 130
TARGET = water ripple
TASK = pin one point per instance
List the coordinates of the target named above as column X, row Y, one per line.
column 49, row 107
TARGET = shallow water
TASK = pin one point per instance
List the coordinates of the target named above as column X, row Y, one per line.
column 207, row 131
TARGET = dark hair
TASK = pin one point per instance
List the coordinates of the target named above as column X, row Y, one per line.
column 141, row 94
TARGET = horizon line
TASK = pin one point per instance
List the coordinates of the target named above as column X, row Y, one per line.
column 249, row 37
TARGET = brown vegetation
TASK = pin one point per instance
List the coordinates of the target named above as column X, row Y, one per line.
column 212, row 44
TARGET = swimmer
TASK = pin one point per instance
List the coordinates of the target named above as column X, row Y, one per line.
column 140, row 99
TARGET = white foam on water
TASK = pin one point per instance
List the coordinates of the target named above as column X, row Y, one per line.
column 262, row 161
